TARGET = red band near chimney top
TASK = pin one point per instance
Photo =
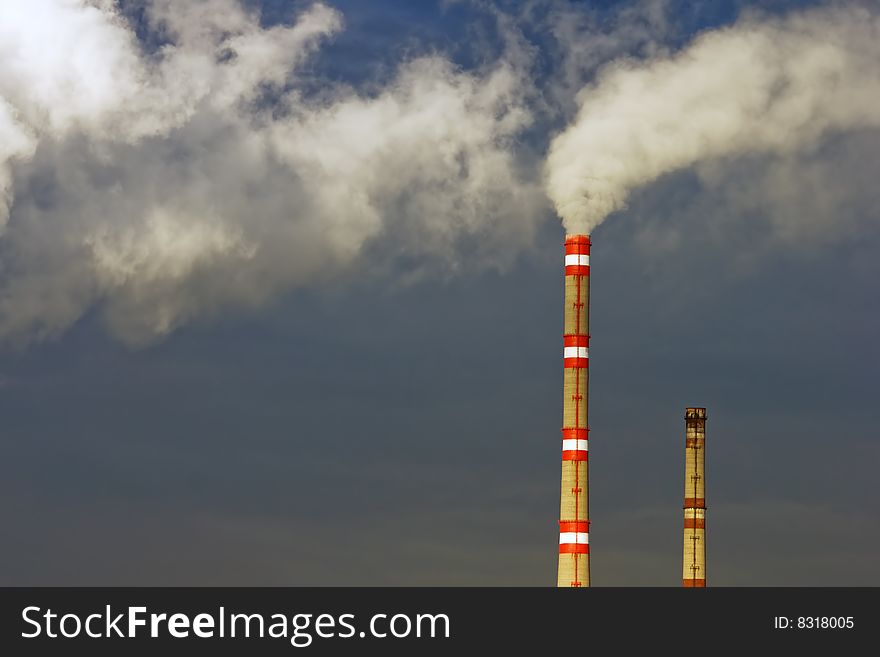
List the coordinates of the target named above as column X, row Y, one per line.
column 574, row 525
column 576, row 340
column 577, row 248
column 694, row 523
column 574, row 548
column 695, row 503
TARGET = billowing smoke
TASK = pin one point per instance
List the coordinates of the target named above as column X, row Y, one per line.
column 764, row 86
column 153, row 180
column 215, row 169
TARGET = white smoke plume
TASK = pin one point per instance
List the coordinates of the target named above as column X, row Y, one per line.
column 157, row 183
column 160, row 186
column 766, row 85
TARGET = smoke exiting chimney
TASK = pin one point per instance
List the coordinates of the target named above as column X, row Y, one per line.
column 694, row 562
column 574, row 523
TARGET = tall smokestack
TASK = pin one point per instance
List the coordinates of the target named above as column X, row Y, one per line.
column 574, row 523
column 694, row 562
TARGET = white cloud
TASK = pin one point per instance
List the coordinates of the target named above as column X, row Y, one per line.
column 164, row 186
column 766, row 85
column 161, row 185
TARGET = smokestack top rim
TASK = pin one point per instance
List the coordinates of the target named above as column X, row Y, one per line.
column 577, row 239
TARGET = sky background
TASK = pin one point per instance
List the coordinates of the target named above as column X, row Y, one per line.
column 376, row 427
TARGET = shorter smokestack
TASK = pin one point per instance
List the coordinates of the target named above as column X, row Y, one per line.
column 694, row 565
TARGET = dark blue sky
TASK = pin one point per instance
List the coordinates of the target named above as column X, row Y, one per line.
column 357, row 432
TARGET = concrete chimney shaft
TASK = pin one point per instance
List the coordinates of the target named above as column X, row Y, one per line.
column 574, row 517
